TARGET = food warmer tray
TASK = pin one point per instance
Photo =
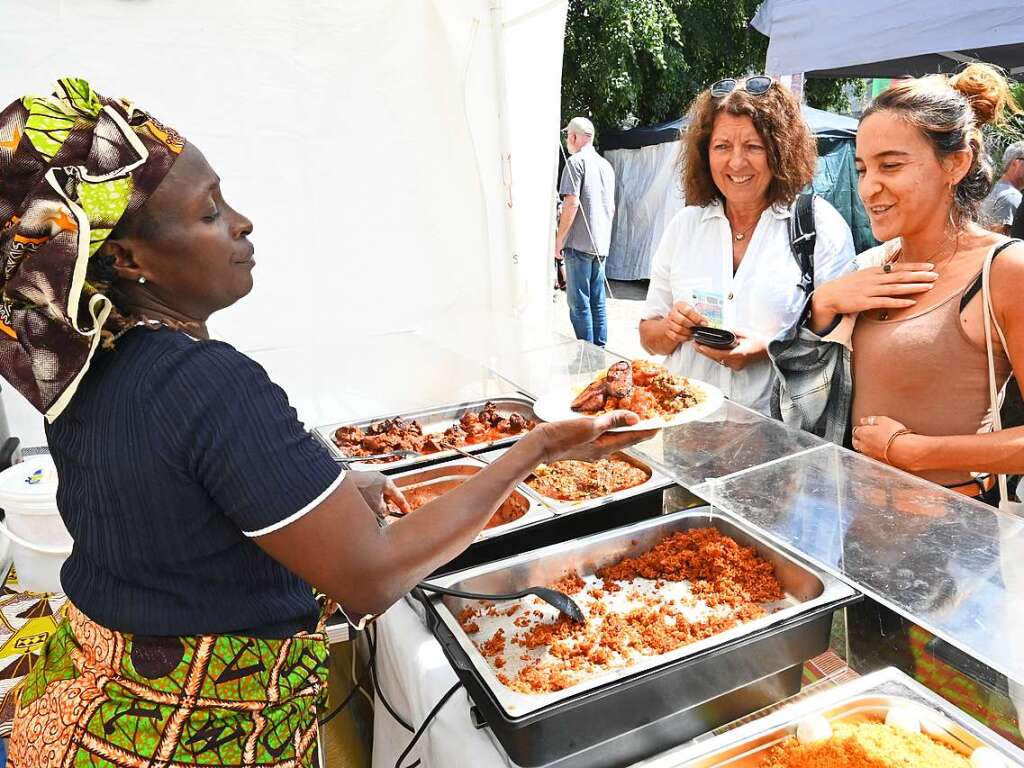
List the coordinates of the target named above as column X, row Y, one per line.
column 867, row 696
column 631, row 713
column 569, row 521
column 657, row 480
column 465, row 468
column 435, row 419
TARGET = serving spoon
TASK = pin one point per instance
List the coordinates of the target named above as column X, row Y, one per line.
column 399, row 454
column 557, row 600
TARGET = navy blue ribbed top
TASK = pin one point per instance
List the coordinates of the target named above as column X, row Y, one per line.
column 171, row 451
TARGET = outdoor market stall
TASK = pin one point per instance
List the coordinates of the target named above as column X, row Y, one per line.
column 948, row 567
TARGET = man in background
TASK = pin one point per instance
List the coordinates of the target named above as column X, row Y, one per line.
column 998, row 209
column 584, row 231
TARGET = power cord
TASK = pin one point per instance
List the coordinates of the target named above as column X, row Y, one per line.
column 423, row 727
column 337, row 709
column 376, row 684
column 355, row 677
column 357, row 687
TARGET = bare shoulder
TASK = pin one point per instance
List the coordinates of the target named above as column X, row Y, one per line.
column 1007, row 280
column 1008, row 268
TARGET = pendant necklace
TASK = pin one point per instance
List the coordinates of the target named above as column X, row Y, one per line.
column 742, row 235
column 745, row 233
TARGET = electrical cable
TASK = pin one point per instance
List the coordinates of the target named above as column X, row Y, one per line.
column 376, row 684
column 337, row 709
column 356, row 688
column 423, row 727
column 355, row 679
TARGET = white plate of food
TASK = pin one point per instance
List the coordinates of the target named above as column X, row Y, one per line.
column 659, row 398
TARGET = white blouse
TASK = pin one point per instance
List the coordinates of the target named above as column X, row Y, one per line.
column 693, row 263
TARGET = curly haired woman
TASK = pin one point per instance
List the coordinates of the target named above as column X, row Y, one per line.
column 725, row 259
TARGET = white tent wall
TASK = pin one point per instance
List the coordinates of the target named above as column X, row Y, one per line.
column 647, row 196
column 364, row 138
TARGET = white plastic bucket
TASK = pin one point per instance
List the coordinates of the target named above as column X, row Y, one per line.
column 40, row 542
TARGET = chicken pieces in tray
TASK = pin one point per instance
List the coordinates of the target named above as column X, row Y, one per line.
column 643, row 387
column 400, row 434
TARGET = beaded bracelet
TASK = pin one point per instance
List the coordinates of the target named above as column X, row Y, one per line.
column 892, row 438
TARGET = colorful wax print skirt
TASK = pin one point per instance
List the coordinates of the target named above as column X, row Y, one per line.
column 100, row 697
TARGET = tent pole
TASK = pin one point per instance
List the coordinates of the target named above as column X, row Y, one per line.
column 510, row 269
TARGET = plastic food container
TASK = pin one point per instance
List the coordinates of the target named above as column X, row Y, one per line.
column 40, row 542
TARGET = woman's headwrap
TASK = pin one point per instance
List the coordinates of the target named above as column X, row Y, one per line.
column 71, row 166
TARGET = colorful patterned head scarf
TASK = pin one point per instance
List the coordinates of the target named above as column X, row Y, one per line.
column 71, row 166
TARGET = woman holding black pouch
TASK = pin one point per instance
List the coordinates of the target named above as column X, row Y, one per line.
column 725, row 261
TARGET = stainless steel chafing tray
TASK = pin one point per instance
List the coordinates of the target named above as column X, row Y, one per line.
column 630, row 505
column 626, row 714
column 462, row 470
column 868, row 698
column 656, row 480
column 435, row 419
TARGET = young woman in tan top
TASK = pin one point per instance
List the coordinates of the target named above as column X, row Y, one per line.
column 919, row 363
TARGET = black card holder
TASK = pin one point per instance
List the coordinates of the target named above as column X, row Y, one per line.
column 717, row 338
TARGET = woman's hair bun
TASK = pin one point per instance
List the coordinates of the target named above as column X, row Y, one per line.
column 987, row 90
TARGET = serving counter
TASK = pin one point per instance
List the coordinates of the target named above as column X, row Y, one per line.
column 928, row 560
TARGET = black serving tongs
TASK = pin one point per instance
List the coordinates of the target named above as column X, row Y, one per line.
column 558, row 600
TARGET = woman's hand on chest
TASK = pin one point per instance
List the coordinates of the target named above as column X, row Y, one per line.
column 891, row 287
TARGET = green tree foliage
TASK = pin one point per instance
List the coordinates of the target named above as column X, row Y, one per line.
column 1001, row 135
column 645, row 60
column 610, row 46
column 831, row 94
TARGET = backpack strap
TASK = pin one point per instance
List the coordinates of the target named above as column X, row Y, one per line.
column 802, row 238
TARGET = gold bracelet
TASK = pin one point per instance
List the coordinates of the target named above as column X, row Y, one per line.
column 892, row 439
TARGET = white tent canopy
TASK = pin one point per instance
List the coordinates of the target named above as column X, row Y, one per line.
column 880, row 38
column 397, row 156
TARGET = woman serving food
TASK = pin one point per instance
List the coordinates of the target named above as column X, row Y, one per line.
column 201, row 509
column 725, row 260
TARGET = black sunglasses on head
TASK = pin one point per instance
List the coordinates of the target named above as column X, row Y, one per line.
column 757, row 85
